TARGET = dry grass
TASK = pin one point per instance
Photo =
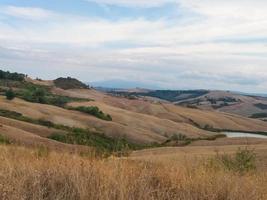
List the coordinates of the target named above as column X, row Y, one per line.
column 139, row 121
column 191, row 154
column 38, row 174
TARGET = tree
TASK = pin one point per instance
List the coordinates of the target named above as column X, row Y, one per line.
column 39, row 95
column 10, row 95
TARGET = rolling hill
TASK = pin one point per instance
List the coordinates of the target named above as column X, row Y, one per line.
column 42, row 109
column 223, row 101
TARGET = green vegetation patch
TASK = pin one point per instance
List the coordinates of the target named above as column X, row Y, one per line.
column 41, row 94
column 69, row 83
column 261, row 106
column 182, row 140
column 10, row 94
column 20, row 117
column 31, row 92
column 93, row 110
column 85, row 137
column 178, row 140
column 79, row 136
column 258, row 115
column 244, row 160
column 12, row 76
column 4, row 140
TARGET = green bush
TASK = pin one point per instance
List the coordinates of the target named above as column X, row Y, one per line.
column 85, row 137
column 178, row 137
column 258, row 115
column 93, row 110
column 35, row 94
column 243, row 161
column 45, row 123
column 41, row 94
column 59, row 100
column 10, row 114
column 4, row 140
column 10, row 95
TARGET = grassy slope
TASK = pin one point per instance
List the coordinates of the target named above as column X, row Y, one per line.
column 137, row 120
column 170, row 112
column 245, row 107
column 33, row 135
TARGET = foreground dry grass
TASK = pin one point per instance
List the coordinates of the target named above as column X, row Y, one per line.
column 38, row 174
column 205, row 150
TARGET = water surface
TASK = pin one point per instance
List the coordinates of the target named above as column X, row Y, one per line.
column 240, row 134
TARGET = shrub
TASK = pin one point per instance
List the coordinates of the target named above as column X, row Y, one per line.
column 45, row 123
column 243, row 160
column 41, row 94
column 34, row 94
column 102, row 143
column 178, row 137
column 93, row 110
column 4, row 140
column 258, row 115
column 10, row 95
column 59, row 100
column 10, row 114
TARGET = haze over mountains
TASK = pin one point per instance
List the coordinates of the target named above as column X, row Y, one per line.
column 123, row 84
column 129, row 84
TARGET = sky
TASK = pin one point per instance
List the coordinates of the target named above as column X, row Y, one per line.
column 168, row 44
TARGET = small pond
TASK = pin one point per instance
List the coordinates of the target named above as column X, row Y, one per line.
column 240, row 134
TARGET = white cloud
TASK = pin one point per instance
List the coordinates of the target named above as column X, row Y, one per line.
column 31, row 13
column 134, row 3
column 234, row 9
column 224, row 38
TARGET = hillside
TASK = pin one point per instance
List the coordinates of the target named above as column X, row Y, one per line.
column 140, row 121
column 223, row 101
column 164, row 111
column 248, row 106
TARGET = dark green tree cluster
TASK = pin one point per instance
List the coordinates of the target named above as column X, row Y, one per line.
column 10, row 94
column 95, row 111
column 35, row 94
column 41, row 94
column 69, row 83
column 12, row 76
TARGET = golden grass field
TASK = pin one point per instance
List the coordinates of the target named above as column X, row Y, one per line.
column 198, row 152
column 41, row 174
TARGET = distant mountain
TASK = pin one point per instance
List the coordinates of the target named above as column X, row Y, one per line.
column 122, row 84
column 167, row 95
column 252, row 94
column 244, row 104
